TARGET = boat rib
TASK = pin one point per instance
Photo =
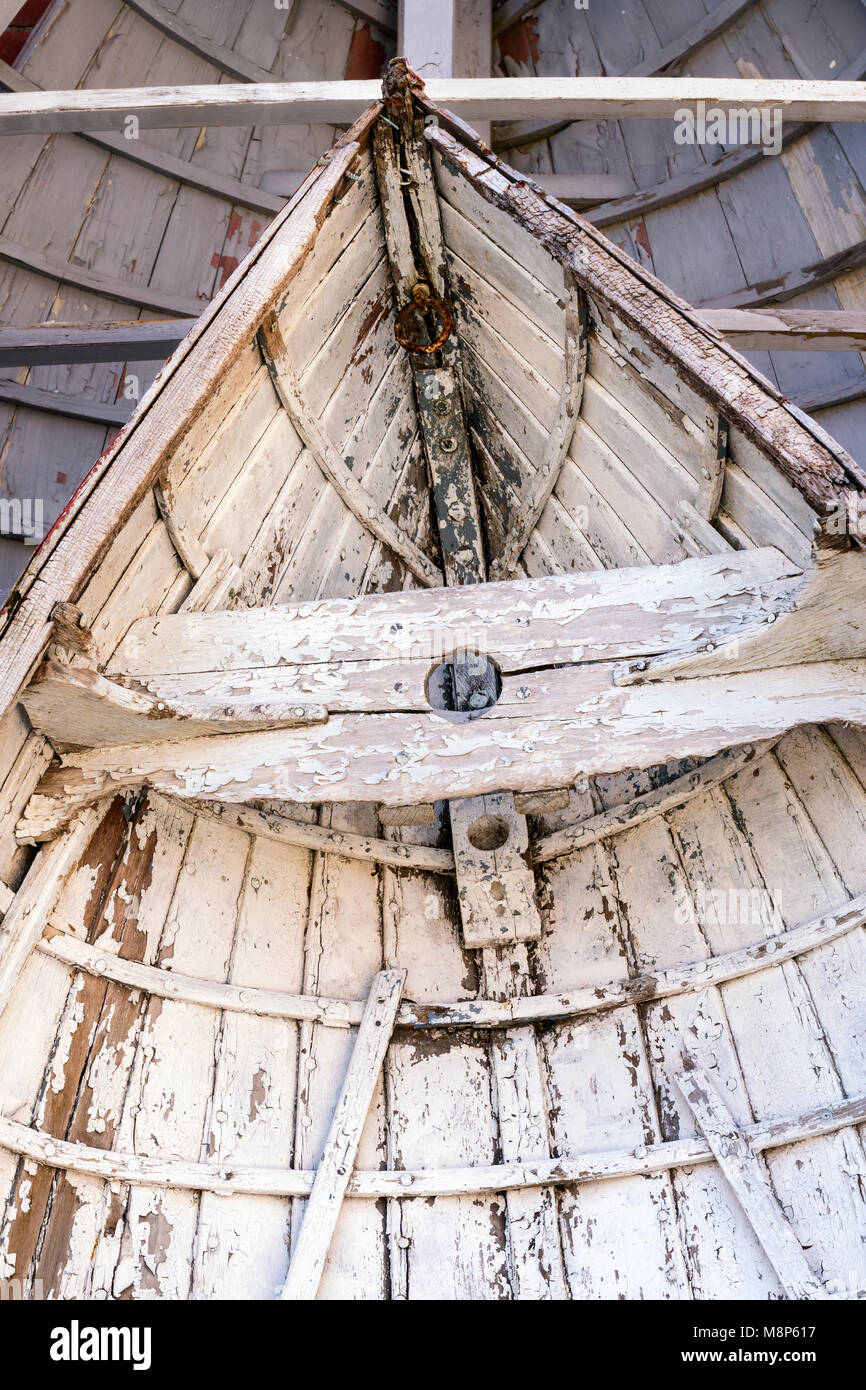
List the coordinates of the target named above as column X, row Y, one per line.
column 64, row 946
column 116, row 1166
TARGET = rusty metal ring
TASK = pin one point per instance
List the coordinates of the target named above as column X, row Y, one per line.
column 422, row 299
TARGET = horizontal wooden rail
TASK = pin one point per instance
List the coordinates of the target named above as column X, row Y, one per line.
column 501, row 98
column 80, row 955
column 47, row 344
column 233, row 1178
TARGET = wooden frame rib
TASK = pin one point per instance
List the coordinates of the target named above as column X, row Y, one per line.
column 56, row 403
column 642, row 808
column 62, row 945
column 111, row 286
column 543, row 484
column 350, row 491
column 235, row 1179
column 26, row 917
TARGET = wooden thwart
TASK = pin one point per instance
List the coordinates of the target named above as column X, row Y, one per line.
column 332, row 1176
column 522, row 624
column 819, row 621
column 583, row 724
column 741, row 1167
column 73, row 705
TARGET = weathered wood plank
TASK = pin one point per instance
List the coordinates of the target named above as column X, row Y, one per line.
column 143, row 340
column 74, row 407
column 582, row 617
column 73, row 705
column 334, row 1171
column 740, row 1166
column 818, row 621
column 25, row 919
column 583, row 725
column 802, row 330
column 185, row 1175
column 503, row 98
column 495, row 887
column 496, row 1011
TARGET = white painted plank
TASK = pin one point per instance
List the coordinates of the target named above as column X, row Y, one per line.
column 332, row 1176
column 740, row 1166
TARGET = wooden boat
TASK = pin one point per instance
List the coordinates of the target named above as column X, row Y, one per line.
column 369, row 935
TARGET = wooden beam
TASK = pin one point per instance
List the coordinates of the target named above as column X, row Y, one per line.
column 143, row 340
column 322, row 1209
column 446, row 443
column 339, row 103
column 794, row 282
column 263, row 199
column 112, row 286
column 523, row 624
column 75, row 407
column 77, row 707
column 742, row 1169
column 496, row 1011
column 112, row 1165
column 802, row 330
column 581, row 724
column 820, row 620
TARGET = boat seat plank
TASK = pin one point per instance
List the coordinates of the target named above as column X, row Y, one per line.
column 583, row 724
column 523, row 623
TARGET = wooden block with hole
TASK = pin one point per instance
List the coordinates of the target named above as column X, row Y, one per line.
column 495, row 883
